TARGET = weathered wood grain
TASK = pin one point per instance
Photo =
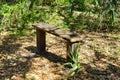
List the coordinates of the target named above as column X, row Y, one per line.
column 65, row 34
column 41, row 40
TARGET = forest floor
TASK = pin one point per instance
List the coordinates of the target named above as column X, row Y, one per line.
column 99, row 56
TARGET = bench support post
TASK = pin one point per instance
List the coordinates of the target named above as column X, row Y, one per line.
column 71, row 48
column 41, row 40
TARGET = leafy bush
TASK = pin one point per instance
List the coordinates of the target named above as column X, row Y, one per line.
column 106, row 12
column 76, row 14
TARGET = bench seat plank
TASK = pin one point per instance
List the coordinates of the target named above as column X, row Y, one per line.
column 65, row 34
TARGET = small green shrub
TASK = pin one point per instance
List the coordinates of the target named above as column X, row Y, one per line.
column 74, row 64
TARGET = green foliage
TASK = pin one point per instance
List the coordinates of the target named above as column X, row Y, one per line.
column 25, row 72
column 33, row 78
column 99, row 14
column 74, row 64
column 106, row 11
column 16, row 17
column 10, row 14
column 73, row 14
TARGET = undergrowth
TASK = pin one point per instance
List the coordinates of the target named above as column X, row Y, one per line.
column 76, row 15
column 73, row 65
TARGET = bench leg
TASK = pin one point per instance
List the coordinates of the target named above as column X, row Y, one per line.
column 71, row 48
column 41, row 40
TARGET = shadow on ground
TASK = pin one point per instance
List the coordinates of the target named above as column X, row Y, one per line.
column 12, row 68
column 112, row 72
column 12, row 65
column 48, row 55
column 9, row 45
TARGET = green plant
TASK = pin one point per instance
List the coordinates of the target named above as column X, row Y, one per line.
column 74, row 64
column 106, row 12
column 118, row 36
column 24, row 72
column 20, row 14
column 17, row 17
column 33, row 78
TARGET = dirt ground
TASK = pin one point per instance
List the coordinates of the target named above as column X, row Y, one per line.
column 99, row 56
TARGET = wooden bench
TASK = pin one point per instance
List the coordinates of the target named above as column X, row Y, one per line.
column 71, row 38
